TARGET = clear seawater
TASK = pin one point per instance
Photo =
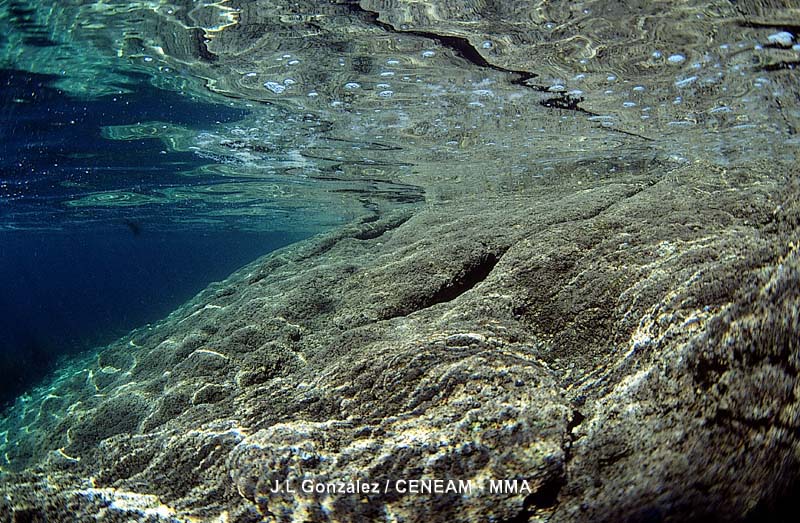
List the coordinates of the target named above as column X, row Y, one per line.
column 76, row 279
column 72, row 290
column 148, row 148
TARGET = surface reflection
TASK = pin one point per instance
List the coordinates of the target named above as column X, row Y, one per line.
column 396, row 100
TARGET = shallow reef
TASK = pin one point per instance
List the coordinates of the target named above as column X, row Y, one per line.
column 628, row 347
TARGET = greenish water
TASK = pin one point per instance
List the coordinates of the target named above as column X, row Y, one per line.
column 348, row 98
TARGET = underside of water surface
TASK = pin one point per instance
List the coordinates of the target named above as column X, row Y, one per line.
column 399, row 261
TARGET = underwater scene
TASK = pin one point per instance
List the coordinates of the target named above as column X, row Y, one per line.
column 399, row 261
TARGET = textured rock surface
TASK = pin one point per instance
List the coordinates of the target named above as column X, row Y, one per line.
column 628, row 346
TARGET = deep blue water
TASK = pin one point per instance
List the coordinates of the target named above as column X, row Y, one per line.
column 68, row 291
column 73, row 279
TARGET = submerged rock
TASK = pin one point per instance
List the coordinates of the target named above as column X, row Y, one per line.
column 615, row 350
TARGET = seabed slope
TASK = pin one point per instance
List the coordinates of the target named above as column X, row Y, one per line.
column 627, row 346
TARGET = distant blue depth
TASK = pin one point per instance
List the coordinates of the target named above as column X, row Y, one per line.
column 100, row 271
column 65, row 292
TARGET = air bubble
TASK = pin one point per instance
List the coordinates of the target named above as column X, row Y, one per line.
column 428, row 54
column 275, row 87
column 676, row 59
column 686, row 81
column 782, row 38
column 352, row 85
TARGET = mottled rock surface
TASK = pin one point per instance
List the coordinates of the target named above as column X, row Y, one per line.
column 628, row 346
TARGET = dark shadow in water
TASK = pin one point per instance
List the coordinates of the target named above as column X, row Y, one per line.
column 134, row 227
